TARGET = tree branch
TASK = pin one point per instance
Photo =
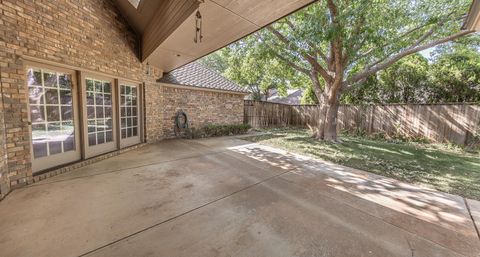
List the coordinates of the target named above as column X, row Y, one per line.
column 419, row 41
column 391, row 60
column 292, row 64
column 312, row 46
column 307, row 57
column 315, row 49
column 354, row 43
column 284, row 40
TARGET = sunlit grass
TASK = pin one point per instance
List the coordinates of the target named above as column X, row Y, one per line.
column 445, row 168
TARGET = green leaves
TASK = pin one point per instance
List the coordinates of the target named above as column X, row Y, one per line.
column 365, row 32
column 455, row 75
column 452, row 75
column 251, row 63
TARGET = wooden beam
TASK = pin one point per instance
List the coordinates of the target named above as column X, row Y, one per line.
column 171, row 14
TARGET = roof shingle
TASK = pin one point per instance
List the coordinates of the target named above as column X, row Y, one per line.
column 196, row 75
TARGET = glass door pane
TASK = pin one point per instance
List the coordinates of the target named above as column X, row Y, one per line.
column 129, row 115
column 51, row 97
column 99, row 116
column 99, row 112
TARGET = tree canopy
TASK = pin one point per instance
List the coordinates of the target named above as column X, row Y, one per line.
column 249, row 64
column 339, row 45
column 450, row 75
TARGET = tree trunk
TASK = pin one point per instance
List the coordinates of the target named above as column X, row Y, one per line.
column 327, row 123
column 330, row 131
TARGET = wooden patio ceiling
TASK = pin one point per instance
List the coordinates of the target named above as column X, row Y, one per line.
column 167, row 27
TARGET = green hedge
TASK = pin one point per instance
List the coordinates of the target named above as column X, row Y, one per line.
column 218, row 130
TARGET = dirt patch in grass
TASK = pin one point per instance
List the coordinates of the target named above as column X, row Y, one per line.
column 445, row 168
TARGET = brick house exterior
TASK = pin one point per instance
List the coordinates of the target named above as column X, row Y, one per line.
column 84, row 36
column 204, row 95
column 202, row 107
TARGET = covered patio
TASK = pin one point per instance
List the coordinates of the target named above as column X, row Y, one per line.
column 81, row 80
column 228, row 197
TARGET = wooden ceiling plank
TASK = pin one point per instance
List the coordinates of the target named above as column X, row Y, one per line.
column 224, row 21
column 166, row 12
column 173, row 23
column 175, row 13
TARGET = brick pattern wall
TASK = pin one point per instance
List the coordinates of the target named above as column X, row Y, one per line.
column 88, row 34
column 17, row 134
column 153, row 110
column 91, row 35
column 4, row 183
column 201, row 107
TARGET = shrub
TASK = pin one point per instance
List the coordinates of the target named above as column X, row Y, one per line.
column 212, row 130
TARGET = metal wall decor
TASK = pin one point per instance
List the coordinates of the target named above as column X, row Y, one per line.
column 198, row 25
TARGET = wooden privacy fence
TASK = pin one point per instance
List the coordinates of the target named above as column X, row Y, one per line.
column 452, row 123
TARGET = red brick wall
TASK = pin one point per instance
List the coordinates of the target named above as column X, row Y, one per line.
column 4, row 183
column 202, row 107
column 154, row 112
column 88, row 34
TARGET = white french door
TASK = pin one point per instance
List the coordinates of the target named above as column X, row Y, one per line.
column 99, row 115
column 53, row 116
column 79, row 114
column 129, row 110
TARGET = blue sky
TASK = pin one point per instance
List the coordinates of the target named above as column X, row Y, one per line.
column 426, row 53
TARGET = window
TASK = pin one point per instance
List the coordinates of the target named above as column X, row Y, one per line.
column 99, row 111
column 51, row 112
column 129, row 111
column 52, row 102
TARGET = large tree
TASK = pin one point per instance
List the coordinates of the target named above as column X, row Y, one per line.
column 247, row 63
column 339, row 43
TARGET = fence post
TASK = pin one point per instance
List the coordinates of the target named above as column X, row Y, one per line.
column 372, row 117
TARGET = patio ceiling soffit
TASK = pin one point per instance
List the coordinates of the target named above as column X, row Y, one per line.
column 167, row 27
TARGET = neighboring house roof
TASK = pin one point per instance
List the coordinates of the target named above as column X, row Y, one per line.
column 197, row 75
column 472, row 21
column 294, row 97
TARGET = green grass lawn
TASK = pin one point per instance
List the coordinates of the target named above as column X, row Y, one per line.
column 447, row 169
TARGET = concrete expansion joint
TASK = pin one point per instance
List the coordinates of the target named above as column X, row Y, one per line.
column 187, row 212
column 369, row 214
column 471, row 217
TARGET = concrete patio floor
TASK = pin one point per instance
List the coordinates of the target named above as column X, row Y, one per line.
column 227, row 197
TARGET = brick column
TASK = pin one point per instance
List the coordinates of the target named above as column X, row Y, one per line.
column 15, row 119
column 153, row 106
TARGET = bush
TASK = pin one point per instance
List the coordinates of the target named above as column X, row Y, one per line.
column 212, row 130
